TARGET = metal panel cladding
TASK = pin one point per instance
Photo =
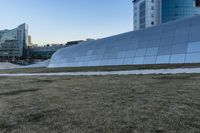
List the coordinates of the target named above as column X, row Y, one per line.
column 174, row 42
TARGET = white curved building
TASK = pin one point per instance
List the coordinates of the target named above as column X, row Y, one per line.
column 174, row 42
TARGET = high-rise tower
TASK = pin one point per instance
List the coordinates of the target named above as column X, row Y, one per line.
column 13, row 43
column 149, row 13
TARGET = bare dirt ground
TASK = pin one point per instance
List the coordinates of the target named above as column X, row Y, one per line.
column 110, row 104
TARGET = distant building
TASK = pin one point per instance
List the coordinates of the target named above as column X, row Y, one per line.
column 13, row 43
column 179, row 9
column 146, row 13
column 45, row 52
column 89, row 39
column 29, row 41
column 149, row 13
column 73, row 42
column 16, row 44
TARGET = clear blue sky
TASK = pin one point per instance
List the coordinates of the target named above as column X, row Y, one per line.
column 59, row 21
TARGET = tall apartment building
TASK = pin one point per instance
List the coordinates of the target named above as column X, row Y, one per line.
column 149, row 13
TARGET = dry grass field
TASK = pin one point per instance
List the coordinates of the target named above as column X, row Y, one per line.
column 99, row 68
column 101, row 104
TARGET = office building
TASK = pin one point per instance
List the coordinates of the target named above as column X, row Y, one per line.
column 13, row 43
column 149, row 13
column 146, row 13
column 179, row 9
column 46, row 51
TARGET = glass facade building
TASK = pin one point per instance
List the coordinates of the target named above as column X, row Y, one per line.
column 179, row 9
column 13, row 43
column 162, row 11
column 174, row 42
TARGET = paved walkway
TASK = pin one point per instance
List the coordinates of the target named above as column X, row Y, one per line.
column 131, row 72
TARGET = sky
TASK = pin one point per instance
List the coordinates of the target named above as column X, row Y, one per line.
column 60, row 21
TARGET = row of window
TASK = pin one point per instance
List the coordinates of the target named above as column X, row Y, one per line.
column 165, row 51
column 171, row 10
column 180, row 58
column 176, row 9
column 142, row 14
column 142, row 17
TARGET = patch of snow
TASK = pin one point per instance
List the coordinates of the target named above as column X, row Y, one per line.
column 7, row 65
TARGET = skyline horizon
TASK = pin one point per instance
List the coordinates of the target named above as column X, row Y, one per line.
column 84, row 39
column 52, row 22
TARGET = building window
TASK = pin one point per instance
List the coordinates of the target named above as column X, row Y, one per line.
column 135, row 21
column 135, row 14
column 142, row 13
column 197, row 3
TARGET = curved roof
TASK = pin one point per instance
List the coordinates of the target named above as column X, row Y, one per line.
column 174, row 42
